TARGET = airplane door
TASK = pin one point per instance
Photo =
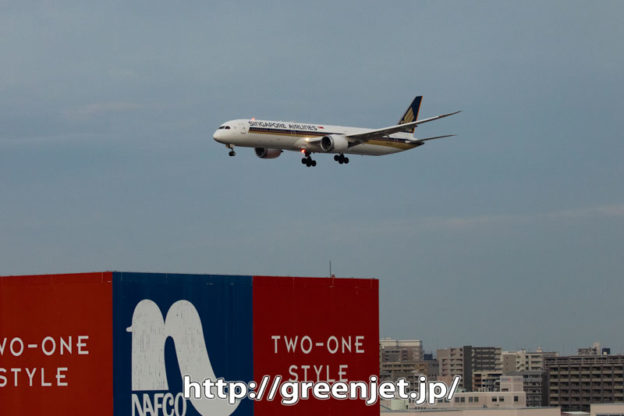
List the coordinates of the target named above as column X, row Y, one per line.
column 242, row 127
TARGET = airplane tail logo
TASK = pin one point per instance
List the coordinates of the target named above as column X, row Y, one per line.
column 411, row 114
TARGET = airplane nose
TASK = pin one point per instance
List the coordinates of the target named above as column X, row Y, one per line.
column 217, row 135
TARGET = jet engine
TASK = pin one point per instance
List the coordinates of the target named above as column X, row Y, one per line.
column 334, row 143
column 264, row 153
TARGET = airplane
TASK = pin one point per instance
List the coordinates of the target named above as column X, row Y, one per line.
column 270, row 138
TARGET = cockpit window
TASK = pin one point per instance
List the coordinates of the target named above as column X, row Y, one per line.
column 224, row 127
column 227, row 127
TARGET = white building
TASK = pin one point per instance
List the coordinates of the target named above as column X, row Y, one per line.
column 510, row 396
column 607, row 409
column 525, row 360
column 536, row 411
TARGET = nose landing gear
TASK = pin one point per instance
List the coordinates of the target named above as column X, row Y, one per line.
column 232, row 152
column 341, row 159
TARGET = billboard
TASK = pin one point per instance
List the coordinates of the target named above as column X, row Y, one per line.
column 118, row 343
column 56, row 338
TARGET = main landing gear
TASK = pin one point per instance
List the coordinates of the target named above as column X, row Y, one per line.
column 232, row 152
column 341, row 158
column 307, row 160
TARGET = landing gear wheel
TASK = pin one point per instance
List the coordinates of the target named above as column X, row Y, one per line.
column 308, row 161
column 232, row 153
column 341, row 159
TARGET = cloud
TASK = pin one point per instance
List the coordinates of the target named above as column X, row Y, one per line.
column 613, row 210
column 409, row 226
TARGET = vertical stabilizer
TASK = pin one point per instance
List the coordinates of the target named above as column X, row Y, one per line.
column 411, row 114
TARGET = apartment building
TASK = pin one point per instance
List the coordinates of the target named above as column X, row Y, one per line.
column 404, row 359
column 466, row 360
column 524, row 360
column 393, row 350
column 576, row 381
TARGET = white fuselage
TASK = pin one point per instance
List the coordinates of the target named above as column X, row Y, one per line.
column 304, row 137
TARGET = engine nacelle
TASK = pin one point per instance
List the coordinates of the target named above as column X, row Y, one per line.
column 334, row 143
column 264, row 153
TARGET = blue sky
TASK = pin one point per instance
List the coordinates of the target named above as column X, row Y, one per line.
column 509, row 234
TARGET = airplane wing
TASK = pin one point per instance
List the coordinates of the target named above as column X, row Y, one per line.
column 431, row 138
column 406, row 127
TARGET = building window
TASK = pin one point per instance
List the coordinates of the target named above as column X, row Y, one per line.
column 516, row 399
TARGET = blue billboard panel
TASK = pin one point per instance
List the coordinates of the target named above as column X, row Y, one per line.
column 169, row 325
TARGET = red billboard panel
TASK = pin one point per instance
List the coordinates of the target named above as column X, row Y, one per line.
column 56, row 345
column 315, row 329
